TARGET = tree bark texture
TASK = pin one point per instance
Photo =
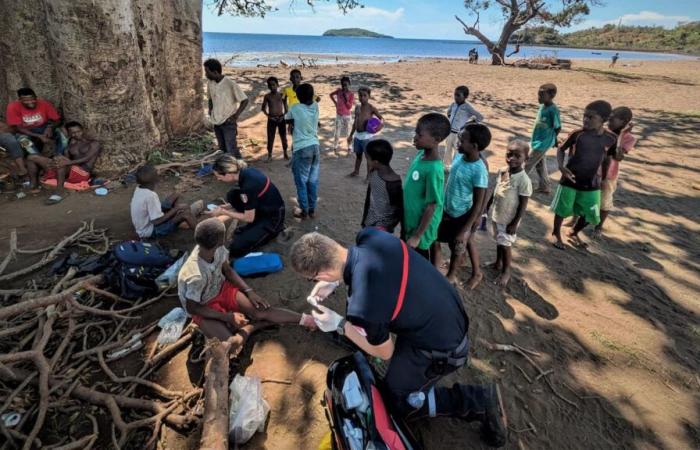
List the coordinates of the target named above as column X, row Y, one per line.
column 128, row 70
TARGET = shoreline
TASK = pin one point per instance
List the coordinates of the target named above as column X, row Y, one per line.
column 611, row 49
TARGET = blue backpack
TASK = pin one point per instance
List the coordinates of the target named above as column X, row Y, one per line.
column 258, row 264
column 134, row 268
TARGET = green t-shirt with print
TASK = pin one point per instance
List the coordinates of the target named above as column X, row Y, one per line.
column 544, row 134
column 424, row 184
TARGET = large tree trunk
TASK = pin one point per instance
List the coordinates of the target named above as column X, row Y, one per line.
column 129, row 70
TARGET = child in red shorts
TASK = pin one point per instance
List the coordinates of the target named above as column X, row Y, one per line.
column 218, row 300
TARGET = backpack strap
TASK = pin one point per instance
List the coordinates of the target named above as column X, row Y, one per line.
column 267, row 186
column 404, row 282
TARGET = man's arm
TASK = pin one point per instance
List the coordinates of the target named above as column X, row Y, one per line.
column 522, row 206
column 28, row 132
column 333, row 97
column 240, row 109
column 265, row 106
column 235, row 279
column 384, row 350
column 248, row 216
column 92, row 153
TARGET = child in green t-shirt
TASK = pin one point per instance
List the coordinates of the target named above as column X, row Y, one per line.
column 544, row 135
column 423, row 190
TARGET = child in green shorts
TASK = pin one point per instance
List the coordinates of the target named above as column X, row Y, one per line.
column 424, row 187
column 578, row 193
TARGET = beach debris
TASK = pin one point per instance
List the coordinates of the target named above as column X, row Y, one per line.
column 542, row 63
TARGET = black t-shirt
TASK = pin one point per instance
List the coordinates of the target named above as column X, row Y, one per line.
column 588, row 150
column 256, row 191
column 431, row 317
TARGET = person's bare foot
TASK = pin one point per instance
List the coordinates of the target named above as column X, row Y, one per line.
column 352, row 174
column 557, row 242
column 597, row 233
column 577, row 241
column 496, row 265
column 452, row 279
column 474, row 281
column 570, row 223
column 503, row 278
column 35, row 190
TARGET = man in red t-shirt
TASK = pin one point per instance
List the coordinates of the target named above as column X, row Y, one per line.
column 35, row 121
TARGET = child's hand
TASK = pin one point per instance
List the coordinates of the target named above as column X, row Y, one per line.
column 413, row 241
column 628, row 128
column 566, row 173
column 512, row 228
column 257, row 301
column 349, row 140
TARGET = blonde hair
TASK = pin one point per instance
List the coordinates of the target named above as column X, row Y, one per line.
column 313, row 253
column 226, row 164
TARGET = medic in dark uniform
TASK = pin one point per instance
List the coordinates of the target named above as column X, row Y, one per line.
column 392, row 289
column 254, row 201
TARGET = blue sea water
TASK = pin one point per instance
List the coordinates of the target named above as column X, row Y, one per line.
column 244, row 50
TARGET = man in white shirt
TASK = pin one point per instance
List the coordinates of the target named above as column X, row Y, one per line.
column 226, row 103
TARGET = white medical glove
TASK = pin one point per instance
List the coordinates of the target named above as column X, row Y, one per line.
column 322, row 290
column 326, row 319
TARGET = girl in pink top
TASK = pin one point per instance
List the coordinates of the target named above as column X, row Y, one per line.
column 344, row 100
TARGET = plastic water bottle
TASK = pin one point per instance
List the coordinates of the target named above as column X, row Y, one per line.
column 416, row 399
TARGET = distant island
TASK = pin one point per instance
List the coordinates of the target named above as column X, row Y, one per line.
column 354, row 32
column 684, row 38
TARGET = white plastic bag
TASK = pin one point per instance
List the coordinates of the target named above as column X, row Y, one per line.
column 171, row 326
column 169, row 276
column 248, row 410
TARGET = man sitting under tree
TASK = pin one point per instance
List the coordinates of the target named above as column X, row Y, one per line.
column 75, row 166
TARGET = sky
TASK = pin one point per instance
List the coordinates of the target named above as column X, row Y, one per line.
column 432, row 19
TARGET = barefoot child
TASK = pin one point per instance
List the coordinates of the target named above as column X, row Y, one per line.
column 544, row 135
column 363, row 112
column 274, row 107
column 464, row 202
column 384, row 199
column 306, row 156
column 424, row 186
column 620, row 123
column 153, row 218
column 460, row 112
column 218, row 300
column 579, row 188
column 510, row 197
column 343, row 99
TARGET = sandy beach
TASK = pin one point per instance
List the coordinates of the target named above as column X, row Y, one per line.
column 617, row 323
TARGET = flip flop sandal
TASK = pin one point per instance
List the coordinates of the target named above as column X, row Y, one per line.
column 55, row 198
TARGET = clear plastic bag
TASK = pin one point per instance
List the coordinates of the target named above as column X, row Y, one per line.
column 171, row 326
column 248, row 409
column 169, row 276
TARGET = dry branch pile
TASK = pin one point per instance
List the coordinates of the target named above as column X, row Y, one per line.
column 57, row 339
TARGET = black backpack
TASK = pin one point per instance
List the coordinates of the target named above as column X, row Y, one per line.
column 134, row 267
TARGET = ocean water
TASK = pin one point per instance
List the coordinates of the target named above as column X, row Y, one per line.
column 246, row 50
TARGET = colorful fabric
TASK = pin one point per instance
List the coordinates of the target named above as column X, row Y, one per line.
column 76, row 175
column 544, row 134
column 225, row 96
column 506, row 196
column 464, row 177
column 20, row 116
column 305, row 119
column 225, row 302
column 424, row 184
column 587, row 150
column 290, row 95
column 627, row 143
column 343, row 102
column 569, row 202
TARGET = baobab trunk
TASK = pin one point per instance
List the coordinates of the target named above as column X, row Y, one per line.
column 129, row 70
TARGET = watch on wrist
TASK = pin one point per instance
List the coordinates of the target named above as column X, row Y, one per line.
column 341, row 327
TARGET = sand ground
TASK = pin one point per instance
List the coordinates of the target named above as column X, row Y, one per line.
column 617, row 323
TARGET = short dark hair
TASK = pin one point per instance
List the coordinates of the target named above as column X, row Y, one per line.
column 305, row 93
column 313, row 253
column 213, row 64
column 293, row 71
column 365, row 89
column 463, row 89
column 25, row 92
column 208, row 233
column 145, row 173
column 436, row 124
column 380, row 150
column 479, row 134
column 600, row 107
column 549, row 88
column 271, row 79
column 623, row 112
column 345, row 78
column 73, row 124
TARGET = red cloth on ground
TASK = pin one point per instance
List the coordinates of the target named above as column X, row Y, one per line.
column 224, row 302
column 78, row 179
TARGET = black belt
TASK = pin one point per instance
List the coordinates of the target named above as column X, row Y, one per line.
column 452, row 358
